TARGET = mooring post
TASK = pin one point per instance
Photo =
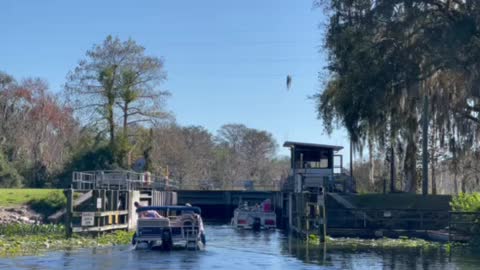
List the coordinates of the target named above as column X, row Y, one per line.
column 324, row 221
column 321, row 205
column 69, row 212
column 449, row 226
column 306, row 214
column 104, row 206
column 290, row 210
column 228, row 203
column 299, row 212
column 318, row 216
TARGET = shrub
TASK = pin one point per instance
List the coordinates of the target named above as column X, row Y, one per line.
column 50, row 204
column 9, row 177
column 466, row 223
column 466, row 202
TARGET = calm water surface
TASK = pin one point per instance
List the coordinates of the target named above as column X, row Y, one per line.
column 231, row 249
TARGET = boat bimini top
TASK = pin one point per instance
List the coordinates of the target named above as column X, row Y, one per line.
column 171, row 208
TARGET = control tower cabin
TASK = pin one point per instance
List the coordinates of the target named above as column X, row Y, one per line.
column 315, row 166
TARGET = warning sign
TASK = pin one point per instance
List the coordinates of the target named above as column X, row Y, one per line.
column 88, row 219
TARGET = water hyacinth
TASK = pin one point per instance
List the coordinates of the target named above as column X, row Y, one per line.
column 29, row 229
column 20, row 240
column 381, row 243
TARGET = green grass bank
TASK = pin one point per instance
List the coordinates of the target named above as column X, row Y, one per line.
column 11, row 197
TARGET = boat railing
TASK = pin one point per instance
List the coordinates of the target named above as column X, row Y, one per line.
column 153, row 222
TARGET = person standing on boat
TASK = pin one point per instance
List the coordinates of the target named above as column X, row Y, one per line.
column 199, row 222
column 267, row 205
column 197, row 217
column 148, row 213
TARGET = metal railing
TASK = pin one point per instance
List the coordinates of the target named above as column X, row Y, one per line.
column 120, row 180
column 339, row 183
column 464, row 222
column 194, row 187
column 403, row 219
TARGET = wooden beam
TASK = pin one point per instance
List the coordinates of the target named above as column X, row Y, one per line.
column 69, row 212
column 100, row 228
column 104, row 213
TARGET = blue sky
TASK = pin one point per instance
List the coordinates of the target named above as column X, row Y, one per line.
column 226, row 60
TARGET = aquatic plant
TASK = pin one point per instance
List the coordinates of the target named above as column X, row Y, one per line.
column 31, row 229
column 18, row 244
column 381, row 243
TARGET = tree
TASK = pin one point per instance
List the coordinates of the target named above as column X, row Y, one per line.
column 200, row 144
column 117, row 77
column 9, row 176
column 187, row 152
column 36, row 130
column 258, row 149
column 51, row 126
column 230, row 139
column 409, row 46
column 248, row 153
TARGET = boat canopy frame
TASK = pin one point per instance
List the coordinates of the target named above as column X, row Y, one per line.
column 193, row 209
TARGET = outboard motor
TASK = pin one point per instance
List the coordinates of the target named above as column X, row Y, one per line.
column 203, row 239
column 257, row 224
column 167, row 242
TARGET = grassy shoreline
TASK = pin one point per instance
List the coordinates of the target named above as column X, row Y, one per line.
column 11, row 197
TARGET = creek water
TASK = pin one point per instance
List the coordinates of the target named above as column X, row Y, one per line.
column 232, row 249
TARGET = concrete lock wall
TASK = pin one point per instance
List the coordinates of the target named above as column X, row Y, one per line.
column 133, row 196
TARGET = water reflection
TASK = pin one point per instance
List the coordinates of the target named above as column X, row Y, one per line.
column 232, row 249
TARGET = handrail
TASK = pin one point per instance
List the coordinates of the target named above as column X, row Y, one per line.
column 119, row 179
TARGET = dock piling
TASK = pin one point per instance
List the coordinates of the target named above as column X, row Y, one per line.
column 68, row 215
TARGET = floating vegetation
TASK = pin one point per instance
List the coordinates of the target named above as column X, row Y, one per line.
column 380, row 243
column 30, row 229
column 15, row 243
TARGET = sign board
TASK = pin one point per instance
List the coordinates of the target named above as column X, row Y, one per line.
column 387, row 214
column 88, row 219
column 99, row 203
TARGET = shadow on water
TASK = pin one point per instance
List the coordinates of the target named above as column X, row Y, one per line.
column 235, row 249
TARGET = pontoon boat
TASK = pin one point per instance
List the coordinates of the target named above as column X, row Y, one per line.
column 254, row 217
column 169, row 226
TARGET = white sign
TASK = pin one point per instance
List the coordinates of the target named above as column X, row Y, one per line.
column 99, row 203
column 88, row 219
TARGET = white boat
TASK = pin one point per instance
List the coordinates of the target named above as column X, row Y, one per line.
column 254, row 218
column 169, row 226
